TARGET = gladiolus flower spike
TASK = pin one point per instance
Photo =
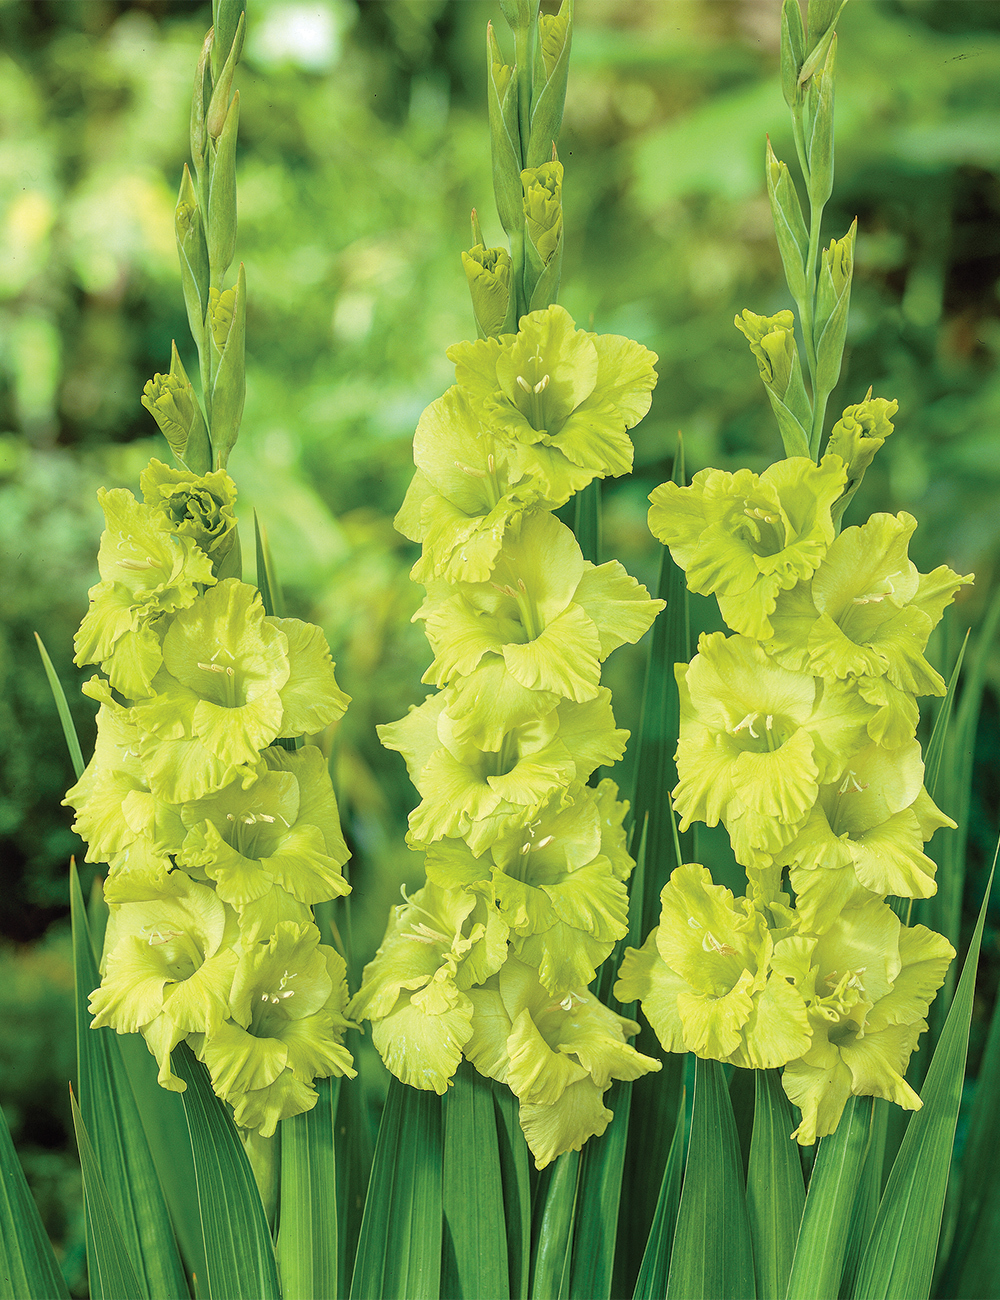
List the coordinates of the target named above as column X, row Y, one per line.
column 526, row 862
column 797, row 732
column 218, row 843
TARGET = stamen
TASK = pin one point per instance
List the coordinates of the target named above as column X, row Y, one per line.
column 424, row 934
column 769, row 721
column 711, row 944
column 490, row 463
column 747, row 722
column 523, row 383
column 137, row 565
column 158, row 936
column 468, row 469
column 263, row 817
column 852, row 784
column 542, row 843
column 526, row 847
column 541, row 386
column 215, row 668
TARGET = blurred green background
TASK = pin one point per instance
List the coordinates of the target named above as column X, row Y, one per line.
column 363, row 148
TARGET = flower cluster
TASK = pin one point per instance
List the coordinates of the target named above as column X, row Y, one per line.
column 526, row 862
column 218, row 840
column 798, row 734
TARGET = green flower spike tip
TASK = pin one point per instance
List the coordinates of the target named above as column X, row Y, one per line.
column 168, row 967
column 558, row 1055
column 147, row 570
column 282, row 830
column 757, row 741
column 745, row 537
column 551, row 615
column 867, row 612
column 867, row 982
column 286, row 1028
column 414, row 991
column 555, row 385
column 703, row 979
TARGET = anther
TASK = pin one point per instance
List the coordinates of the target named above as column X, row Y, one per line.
column 541, row 386
column 747, row 722
column 547, row 840
column 711, row 944
column 523, row 383
column 851, row 783
column 469, row 469
column 769, row 721
column 137, row 565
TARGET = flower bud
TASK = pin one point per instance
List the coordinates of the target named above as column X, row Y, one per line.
column 505, row 135
column 793, row 49
column 192, row 251
column 171, row 401
column 218, row 108
column 772, row 341
column 488, row 271
column 199, row 136
column 518, row 12
column 226, row 18
column 227, row 326
column 543, row 208
column 819, row 131
column 555, row 33
column 222, row 197
column 789, row 224
column 833, row 296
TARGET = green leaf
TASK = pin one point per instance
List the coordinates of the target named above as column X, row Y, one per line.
column 598, row 1202
column 239, row 1256
column 28, row 1266
column 307, row 1236
column 971, row 1269
column 899, row 1261
column 712, row 1256
column 109, row 1265
column 587, row 521
column 354, row 1142
column 116, row 1132
column 652, row 1280
column 936, row 744
column 554, row 1236
column 472, row 1191
column 775, row 1191
column 65, row 717
column 399, row 1251
column 515, row 1175
column 869, row 1192
column 826, row 1219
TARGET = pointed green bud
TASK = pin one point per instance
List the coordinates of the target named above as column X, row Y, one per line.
column 819, row 131
column 222, row 197
column 555, row 35
column 519, row 13
column 772, row 341
column 219, row 107
column 505, row 136
column 543, row 219
column 488, row 271
column 171, row 401
column 227, row 16
column 192, row 251
column 833, row 297
column 789, row 223
column 793, row 51
column 821, row 20
column 199, row 136
column 227, row 323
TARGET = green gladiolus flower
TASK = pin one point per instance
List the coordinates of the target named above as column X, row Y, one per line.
column 197, row 506
column 477, row 794
column 703, row 978
column 488, row 271
column 232, row 681
column 564, row 901
column 558, row 1057
column 867, row 611
column 757, row 741
column 550, row 614
column 543, row 218
column 555, row 385
column 864, row 837
column 147, row 571
column 867, row 982
column 414, row 991
column 282, row 830
column 746, row 537
column 168, row 966
column 286, row 1028
column 113, row 802
column 860, row 432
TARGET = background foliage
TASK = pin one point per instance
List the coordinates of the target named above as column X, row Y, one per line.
column 363, row 148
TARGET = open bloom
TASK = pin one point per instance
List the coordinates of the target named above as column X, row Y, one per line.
column 746, row 537
column 558, row 1056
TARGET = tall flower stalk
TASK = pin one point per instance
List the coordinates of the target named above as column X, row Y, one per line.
column 218, row 826
column 525, row 855
column 797, row 730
